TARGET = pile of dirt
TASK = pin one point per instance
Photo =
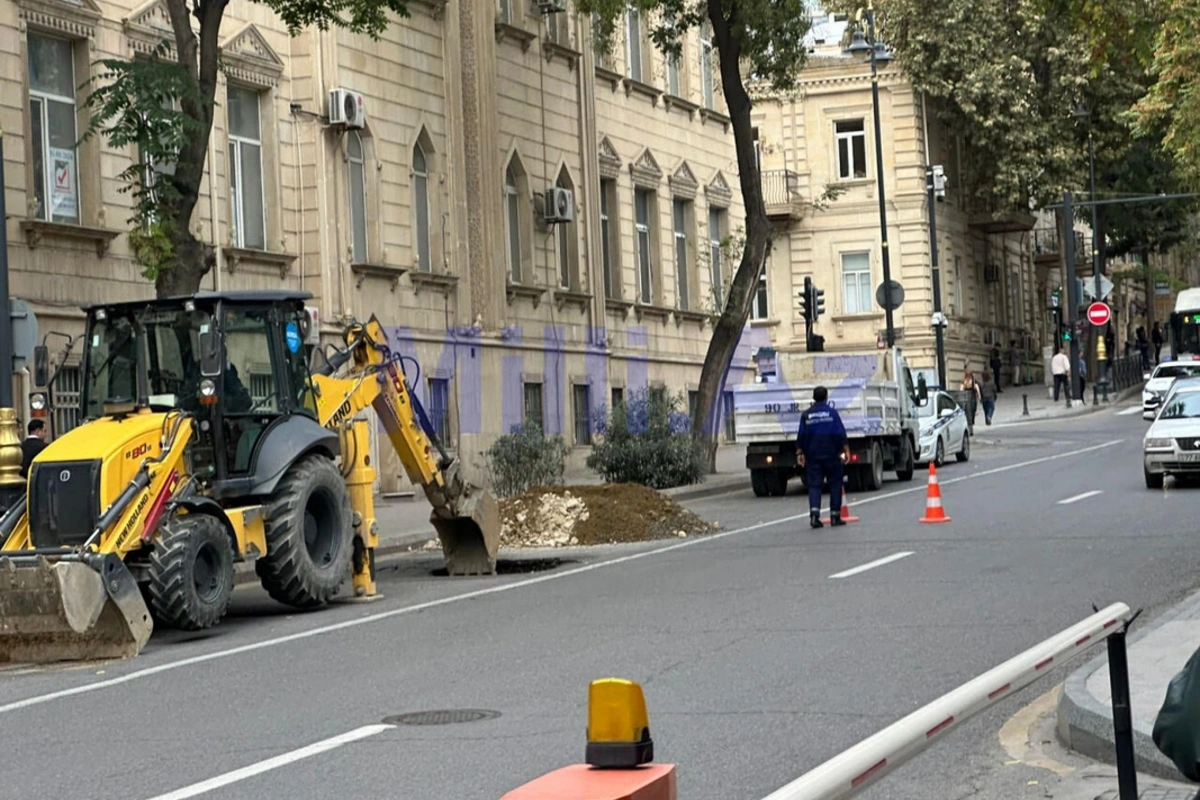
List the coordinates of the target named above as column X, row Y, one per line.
column 561, row 516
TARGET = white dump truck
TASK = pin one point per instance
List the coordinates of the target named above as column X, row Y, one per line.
column 873, row 392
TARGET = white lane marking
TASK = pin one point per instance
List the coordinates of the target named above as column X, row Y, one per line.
column 1131, row 410
column 506, row 587
column 879, row 562
column 1079, row 497
column 283, row 760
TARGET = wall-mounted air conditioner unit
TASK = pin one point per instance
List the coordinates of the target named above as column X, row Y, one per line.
column 560, row 205
column 347, row 108
column 552, row 6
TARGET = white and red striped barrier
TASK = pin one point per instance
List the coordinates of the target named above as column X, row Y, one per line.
column 846, row 774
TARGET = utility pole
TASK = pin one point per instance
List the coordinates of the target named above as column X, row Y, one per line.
column 11, row 482
column 883, row 234
column 934, row 177
column 1072, row 296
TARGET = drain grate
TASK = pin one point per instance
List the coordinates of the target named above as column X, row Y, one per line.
column 521, row 566
column 450, row 716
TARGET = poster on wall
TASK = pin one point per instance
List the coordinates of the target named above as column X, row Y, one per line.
column 62, row 184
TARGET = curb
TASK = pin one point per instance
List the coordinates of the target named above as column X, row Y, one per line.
column 401, row 543
column 721, row 485
column 1078, row 411
column 1085, row 725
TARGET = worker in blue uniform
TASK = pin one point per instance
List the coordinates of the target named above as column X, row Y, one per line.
column 822, row 450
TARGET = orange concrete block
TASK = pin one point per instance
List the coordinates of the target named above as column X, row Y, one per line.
column 583, row 782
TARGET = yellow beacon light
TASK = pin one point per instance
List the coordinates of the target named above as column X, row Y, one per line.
column 618, row 734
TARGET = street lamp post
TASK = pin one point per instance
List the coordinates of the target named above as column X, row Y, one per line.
column 878, row 56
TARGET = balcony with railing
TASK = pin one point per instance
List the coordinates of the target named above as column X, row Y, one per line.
column 1048, row 244
column 781, row 194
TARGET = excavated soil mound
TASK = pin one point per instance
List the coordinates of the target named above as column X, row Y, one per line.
column 561, row 516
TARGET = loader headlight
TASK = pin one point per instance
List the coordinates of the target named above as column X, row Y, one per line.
column 208, row 392
column 37, row 401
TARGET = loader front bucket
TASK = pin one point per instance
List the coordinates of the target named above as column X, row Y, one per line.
column 70, row 610
column 471, row 539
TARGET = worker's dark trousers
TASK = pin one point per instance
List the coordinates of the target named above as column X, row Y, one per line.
column 817, row 472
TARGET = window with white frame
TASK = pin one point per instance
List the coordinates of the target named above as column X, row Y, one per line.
column 674, row 78
column 633, row 44
column 680, row 212
column 761, row 309
column 358, row 197
column 581, row 410
column 608, row 197
column 566, row 242
column 856, row 283
column 643, row 202
column 439, row 408
column 958, row 309
column 716, row 226
column 505, row 11
column 533, row 405
column 707, row 78
column 420, row 187
column 851, row 149
column 247, row 206
column 53, row 131
column 512, row 218
column 558, row 28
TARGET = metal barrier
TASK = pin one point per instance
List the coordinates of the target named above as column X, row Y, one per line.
column 1125, row 372
column 868, row 761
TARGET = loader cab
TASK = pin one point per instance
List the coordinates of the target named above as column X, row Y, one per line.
column 234, row 360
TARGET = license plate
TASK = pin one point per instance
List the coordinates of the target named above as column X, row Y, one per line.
column 1189, row 458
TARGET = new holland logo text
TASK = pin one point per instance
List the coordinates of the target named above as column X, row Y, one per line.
column 143, row 501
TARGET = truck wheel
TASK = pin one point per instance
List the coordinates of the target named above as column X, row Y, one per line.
column 758, row 481
column 872, row 473
column 854, row 481
column 308, row 530
column 191, row 573
column 777, row 481
column 907, row 463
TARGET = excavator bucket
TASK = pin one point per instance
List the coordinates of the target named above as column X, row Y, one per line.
column 470, row 539
column 70, row 610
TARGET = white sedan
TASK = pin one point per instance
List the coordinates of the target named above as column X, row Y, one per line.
column 1172, row 444
column 1160, row 382
column 943, row 430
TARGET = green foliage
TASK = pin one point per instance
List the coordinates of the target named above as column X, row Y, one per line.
column 1172, row 106
column 137, row 104
column 526, row 458
column 358, row 16
column 647, row 441
column 1143, row 228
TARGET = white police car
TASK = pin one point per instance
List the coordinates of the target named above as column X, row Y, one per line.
column 1160, row 382
column 943, row 430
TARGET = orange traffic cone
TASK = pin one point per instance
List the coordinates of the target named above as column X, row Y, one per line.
column 933, row 499
column 846, row 515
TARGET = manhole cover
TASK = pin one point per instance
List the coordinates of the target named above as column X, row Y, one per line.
column 444, row 717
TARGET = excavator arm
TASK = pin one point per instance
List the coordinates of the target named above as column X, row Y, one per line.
column 366, row 373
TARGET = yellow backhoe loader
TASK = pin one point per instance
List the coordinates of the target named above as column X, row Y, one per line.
column 209, row 439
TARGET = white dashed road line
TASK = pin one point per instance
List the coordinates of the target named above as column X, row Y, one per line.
column 1079, row 497
column 871, row 565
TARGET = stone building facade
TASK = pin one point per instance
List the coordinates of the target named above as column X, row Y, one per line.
column 431, row 215
column 823, row 136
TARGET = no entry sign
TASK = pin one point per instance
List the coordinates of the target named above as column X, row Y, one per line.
column 1098, row 313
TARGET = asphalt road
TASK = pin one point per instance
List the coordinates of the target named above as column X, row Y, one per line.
column 757, row 665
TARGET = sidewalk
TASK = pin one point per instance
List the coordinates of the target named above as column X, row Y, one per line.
column 1010, row 405
column 1157, row 651
column 404, row 521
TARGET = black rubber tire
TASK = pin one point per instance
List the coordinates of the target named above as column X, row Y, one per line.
column 1154, row 480
column 191, row 573
column 872, row 472
column 854, row 479
column 907, row 460
column 777, row 482
column 309, row 531
column 939, row 457
column 964, row 455
column 758, row 481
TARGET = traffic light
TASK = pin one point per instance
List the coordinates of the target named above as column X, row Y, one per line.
column 818, row 302
column 806, row 305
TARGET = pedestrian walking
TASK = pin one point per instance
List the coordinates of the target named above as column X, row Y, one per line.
column 35, row 442
column 1143, row 347
column 1060, row 366
column 822, row 449
column 1014, row 362
column 987, row 396
column 996, row 363
column 1082, row 376
column 1156, row 336
column 970, row 385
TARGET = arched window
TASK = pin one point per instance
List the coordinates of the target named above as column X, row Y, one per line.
column 512, row 214
column 358, row 198
column 420, row 172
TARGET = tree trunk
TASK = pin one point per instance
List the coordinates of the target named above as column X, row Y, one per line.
column 729, row 327
column 193, row 260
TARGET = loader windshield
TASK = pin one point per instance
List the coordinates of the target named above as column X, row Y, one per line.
column 170, row 341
